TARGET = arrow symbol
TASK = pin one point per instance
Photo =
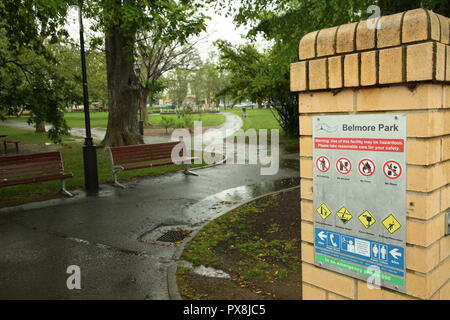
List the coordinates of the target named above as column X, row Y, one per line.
column 395, row 253
column 322, row 235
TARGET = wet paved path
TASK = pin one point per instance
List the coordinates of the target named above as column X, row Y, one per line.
column 109, row 236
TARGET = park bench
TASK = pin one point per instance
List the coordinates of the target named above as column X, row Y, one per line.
column 16, row 142
column 32, row 168
column 146, row 156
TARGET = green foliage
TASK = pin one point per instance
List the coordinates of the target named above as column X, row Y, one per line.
column 73, row 162
column 260, row 257
column 187, row 119
column 31, row 26
column 177, row 83
column 28, row 23
column 167, row 122
column 207, row 83
column 260, row 77
column 390, row 7
column 264, row 76
column 29, row 81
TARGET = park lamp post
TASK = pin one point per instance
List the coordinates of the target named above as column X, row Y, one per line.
column 137, row 69
column 89, row 149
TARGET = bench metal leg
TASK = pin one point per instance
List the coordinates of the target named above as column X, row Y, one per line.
column 188, row 172
column 63, row 188
column 116, row 181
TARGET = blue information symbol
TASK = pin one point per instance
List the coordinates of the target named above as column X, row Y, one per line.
column 379, row 251
column 334, row 240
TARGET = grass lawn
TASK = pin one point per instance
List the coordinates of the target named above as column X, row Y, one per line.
column 257, row 245
column 27, row 136
column 256, row 119
column 100, row 119
column 72, row 155
column 208, row 119
column 263, row 119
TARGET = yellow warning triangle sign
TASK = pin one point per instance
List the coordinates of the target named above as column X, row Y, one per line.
column 323, row 211
column 367, row 219
column 344, row 215
column 391, row 224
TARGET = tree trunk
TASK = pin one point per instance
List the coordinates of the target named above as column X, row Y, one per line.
column 40, row 127
column 123, row 90
column 144, row 98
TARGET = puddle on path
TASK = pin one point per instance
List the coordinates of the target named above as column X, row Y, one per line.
column 206, row 271
column 215, row 205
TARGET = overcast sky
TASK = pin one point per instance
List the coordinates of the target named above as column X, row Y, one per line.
column 218, row 27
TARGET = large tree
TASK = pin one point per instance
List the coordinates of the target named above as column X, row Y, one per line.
column 207, row 82
column 157, row 56
column 284, row 23
column 177, row 85
column 27, row 22
column 29, row 77
column 120, row 21
column 264, row 76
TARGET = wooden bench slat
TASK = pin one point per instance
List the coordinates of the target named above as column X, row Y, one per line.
column 140, row 157
column 127, row 155
column 149, row 155
column 35, row 179
column 145, row 156
column 29, row 172
column 162, row 156
column 34, row 156
column 140, row 146
column 30, row 165
column 135, row 158
column 15, row 160
column 148, row 165
column 31, row 168
column 144, row 153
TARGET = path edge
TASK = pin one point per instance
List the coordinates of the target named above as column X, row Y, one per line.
column 172, row 285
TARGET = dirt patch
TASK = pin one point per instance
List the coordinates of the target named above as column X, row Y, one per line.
column 258, row 245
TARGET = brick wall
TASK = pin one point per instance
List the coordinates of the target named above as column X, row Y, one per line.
column 404, row 66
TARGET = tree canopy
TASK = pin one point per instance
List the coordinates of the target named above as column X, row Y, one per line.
column 33, row 25
column 264, row 76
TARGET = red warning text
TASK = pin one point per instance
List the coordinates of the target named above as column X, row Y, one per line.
column 381, row 145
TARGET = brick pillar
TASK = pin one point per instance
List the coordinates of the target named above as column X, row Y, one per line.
column 404, row 66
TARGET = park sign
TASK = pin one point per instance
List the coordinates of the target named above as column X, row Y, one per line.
column 359, row 180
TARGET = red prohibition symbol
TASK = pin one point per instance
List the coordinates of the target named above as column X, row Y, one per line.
column 392, row 170
column 323, row 164
column 366, row 167
column 343, row 166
